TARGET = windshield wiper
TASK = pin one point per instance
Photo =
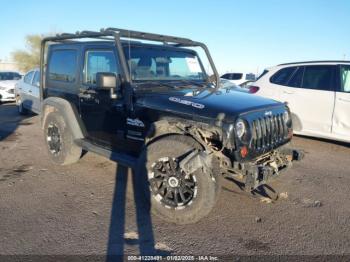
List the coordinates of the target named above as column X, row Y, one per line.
column 190, row 82
column 184, row 83
column 156, row 83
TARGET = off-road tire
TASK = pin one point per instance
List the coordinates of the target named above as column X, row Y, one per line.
column 69, row 152
column 208, row 186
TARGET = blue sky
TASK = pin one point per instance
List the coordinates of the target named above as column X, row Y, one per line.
column 241, row 35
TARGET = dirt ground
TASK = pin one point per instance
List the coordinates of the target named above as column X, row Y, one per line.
column 89, row 208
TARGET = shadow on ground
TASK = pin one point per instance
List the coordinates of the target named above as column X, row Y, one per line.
column 117, row 237
column 10, row 120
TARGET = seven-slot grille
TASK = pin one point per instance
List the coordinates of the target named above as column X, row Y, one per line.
column 268, row 131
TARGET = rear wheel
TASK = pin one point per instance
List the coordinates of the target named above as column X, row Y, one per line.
column 59, row 140
column 174, row 195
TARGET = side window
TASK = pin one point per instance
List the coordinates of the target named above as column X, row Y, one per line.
column 236, row 76
column 36, row 80
column 28, row 77
column 226, row 76
column 63, row 65
column 97, row 61
column 319, row 77
column 282, row 76
column 297, row 78
column 345, row 78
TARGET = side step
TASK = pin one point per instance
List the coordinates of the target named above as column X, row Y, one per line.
column 123, row 159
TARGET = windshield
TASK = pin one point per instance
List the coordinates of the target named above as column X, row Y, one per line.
column 161, row 63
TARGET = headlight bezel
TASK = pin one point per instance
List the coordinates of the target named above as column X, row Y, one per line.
column 245, row 133
column 240, row 128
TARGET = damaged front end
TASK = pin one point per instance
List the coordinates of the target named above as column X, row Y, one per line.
column 258, row 172
column 259, row 154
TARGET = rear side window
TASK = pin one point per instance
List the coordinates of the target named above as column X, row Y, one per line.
column 98, row 61
column 319, row 77
column 63, row 65
column 282, row 76
column 28, row 77
column 345, row 78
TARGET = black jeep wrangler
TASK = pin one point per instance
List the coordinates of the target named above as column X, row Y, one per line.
column 151, row 105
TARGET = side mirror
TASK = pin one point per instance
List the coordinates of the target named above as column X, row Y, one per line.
column 109, row 81
column 106, row 81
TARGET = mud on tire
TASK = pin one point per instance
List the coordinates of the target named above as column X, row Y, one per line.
column 59, row 140
column 206, row 187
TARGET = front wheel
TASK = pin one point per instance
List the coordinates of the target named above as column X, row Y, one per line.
column 174, row 195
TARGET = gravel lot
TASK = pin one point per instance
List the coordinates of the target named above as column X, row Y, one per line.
column 89, row 207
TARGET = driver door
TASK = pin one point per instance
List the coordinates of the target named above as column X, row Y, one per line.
column 103, row 116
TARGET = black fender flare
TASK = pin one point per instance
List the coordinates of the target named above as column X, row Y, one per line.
column 68, row 111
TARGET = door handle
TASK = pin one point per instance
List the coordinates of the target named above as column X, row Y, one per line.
column 87, row 94
column 344, row 99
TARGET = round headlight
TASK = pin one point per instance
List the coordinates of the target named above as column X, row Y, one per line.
column 240, row 128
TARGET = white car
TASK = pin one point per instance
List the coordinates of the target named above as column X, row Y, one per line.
column 239, row 79
column 8, row 81
column 28, row 93
column 318, row 95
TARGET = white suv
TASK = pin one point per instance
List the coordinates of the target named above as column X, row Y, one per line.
column 318, row 95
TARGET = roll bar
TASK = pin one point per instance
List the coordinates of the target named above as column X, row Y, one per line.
column 115, row 34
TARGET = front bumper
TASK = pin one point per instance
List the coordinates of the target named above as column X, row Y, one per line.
column 6, row 97
column 255, row 174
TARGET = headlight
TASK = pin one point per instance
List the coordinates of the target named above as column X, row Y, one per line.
column 241, row 128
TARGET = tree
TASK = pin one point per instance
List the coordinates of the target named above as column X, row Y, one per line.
column 29, row 58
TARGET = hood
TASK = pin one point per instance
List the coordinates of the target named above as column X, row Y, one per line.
column 207, row 103
column 8, row 84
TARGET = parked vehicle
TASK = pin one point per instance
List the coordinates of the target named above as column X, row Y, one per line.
column 27, row 93
column 8, row 80
column 317, row 93
column 239, row 78
column 226, row 84
column 246, row 85
column 154, row 108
